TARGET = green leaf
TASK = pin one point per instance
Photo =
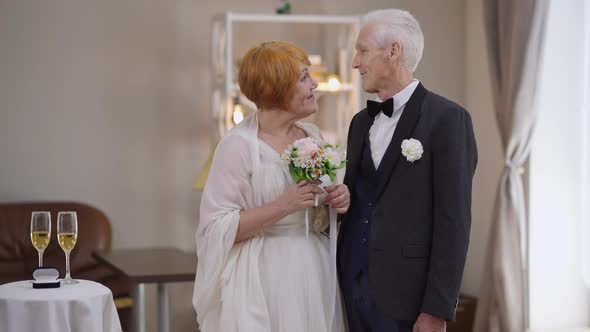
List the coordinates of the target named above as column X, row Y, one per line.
column 308, row 175
column 301, row 174
column 294, row 174
column 332, row 176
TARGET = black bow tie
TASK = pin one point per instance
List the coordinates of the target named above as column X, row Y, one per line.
column 374, row 107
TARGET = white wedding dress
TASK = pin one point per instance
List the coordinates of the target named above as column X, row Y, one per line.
column 278, row 281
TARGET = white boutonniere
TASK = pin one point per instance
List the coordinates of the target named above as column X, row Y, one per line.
column 412, row 149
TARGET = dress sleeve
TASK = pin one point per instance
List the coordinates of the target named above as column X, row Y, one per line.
column 227, row 192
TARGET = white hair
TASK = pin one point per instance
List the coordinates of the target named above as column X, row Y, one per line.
column 398, row 25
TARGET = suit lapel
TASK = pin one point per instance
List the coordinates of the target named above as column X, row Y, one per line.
column 355, row 147
column 403, row 130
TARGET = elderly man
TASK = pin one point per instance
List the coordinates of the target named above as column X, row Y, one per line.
column 412, row 157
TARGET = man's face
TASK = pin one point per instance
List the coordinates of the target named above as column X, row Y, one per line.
column 372, row 61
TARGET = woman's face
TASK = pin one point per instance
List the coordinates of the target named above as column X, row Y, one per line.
column 303, row 100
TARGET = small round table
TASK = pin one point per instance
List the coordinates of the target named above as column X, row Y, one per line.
column 85, row 306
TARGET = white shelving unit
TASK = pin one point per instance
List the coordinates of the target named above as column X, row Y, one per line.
column 333, row 38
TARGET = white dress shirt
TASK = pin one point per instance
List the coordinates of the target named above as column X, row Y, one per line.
column 383, row 127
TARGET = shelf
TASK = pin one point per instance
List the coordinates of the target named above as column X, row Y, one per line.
column 341, row 104
column 276, row 18
column 344, row 87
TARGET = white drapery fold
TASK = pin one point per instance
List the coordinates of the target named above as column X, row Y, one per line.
column 515, row 33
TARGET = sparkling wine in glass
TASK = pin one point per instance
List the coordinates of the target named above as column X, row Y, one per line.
column 67, row 234
column 40, row 232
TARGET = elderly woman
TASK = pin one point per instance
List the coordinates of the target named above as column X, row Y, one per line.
column 259, row 270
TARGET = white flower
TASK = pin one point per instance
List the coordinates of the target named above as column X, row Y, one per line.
column 412, row 149
column 334, row 157
column 286, row 157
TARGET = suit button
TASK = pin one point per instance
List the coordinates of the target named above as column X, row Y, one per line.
column 370, row 203
column 366, row 221
column 363, row 240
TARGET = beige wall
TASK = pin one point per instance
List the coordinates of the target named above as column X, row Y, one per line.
column 107, row 102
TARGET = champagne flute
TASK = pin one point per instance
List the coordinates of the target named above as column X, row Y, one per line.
column 67, row 234
column 40, row 232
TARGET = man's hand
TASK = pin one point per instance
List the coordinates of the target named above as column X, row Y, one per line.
column 429, row 323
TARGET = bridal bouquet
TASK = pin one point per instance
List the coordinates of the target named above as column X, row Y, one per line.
column 310, row 160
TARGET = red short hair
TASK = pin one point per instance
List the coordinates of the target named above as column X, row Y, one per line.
column 269, row 72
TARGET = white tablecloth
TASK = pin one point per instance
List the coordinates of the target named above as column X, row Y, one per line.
column 87, row 306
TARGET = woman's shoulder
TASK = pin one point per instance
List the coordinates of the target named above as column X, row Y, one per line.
column 241, row 135
column 233, row 151
column 233, row 142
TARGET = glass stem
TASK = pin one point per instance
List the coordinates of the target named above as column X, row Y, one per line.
column 40, row 252
column 68, row 265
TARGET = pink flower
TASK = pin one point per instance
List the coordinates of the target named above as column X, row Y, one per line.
column 306, row 147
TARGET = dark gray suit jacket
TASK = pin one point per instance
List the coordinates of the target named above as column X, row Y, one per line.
column 422, row 216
